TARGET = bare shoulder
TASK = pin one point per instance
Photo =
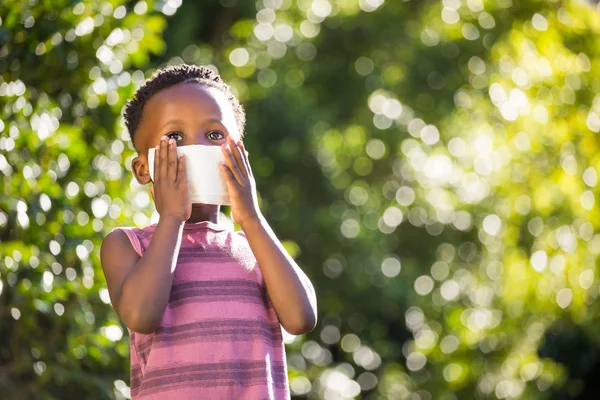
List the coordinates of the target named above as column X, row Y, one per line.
column 118, row 258
column 116, row 243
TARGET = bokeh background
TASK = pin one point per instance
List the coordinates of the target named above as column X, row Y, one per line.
column 431, row 165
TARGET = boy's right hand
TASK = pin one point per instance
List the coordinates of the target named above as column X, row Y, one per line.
column 170, row 191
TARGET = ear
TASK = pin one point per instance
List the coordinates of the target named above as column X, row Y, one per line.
column 139, row 166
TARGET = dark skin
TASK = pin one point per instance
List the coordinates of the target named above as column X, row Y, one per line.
column 139, row 287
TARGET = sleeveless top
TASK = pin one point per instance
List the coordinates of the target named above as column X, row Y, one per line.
column 219, row 337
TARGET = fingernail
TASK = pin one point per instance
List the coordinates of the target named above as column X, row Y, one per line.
column 171, row 141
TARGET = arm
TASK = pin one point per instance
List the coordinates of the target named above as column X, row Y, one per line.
column 290, row 290
column 139, row 287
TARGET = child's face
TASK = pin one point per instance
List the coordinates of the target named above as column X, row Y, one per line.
column 190, row 113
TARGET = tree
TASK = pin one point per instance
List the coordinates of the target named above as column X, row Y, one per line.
column 65, row 73
column 431, row 165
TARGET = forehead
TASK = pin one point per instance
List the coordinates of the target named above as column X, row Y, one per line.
column 191, row 102
column 196, row 97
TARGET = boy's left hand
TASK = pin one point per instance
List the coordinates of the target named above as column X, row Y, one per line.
column 240, row 182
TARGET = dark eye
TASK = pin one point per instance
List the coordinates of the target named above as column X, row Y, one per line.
column 175, row 135
column 216, row 135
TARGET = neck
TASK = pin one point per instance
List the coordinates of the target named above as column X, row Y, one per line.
column 204, row 212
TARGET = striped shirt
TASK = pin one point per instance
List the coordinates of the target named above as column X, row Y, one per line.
column 219, row 337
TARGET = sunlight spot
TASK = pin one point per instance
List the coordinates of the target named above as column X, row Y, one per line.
column 112, row 332
column 539, row 22
column 564, row 297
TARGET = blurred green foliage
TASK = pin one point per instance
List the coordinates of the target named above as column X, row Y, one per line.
column 432, row 165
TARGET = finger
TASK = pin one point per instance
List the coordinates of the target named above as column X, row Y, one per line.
column 232, row 164
column 172, row 160
column 244, row 154
column 229, row 178
column 181, row 170
column 156, row 163
column 237, row 155
column 163, row 158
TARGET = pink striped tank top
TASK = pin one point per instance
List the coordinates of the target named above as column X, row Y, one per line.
column 219, row 337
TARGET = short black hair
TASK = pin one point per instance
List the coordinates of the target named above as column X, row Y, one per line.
column 172, row 75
